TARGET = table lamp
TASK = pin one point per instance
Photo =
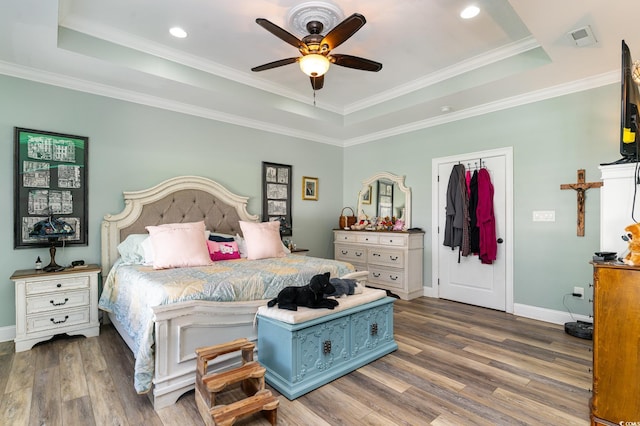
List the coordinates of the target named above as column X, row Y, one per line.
column 52, row 230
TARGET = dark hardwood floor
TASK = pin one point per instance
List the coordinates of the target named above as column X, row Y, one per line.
column 456, row 365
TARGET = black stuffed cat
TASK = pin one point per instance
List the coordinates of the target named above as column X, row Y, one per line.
column 310, row 295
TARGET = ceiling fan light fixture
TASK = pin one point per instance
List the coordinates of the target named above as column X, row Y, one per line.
column 314, row 65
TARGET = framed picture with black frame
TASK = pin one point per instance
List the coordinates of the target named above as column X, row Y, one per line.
column 276, row 196
column 50, row 181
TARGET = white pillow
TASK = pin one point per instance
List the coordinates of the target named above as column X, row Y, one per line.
column 131, row 249
column 262, row 239
column 178, row 245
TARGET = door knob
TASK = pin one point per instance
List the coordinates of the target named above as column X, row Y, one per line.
column 500, row 241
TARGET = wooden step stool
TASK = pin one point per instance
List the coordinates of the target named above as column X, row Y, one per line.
column 250, row 375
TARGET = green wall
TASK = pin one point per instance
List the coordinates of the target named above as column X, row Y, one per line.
column 551, row 139
column 133, row 147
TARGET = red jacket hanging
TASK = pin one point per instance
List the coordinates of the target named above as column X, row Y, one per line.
column 486, row 221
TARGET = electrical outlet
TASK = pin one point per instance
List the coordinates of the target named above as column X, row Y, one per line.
column 578, row 292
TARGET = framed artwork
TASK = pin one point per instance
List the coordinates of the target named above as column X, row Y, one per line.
column 50, row 180
column 276, row 195
column 309, row 188
column 366, row 196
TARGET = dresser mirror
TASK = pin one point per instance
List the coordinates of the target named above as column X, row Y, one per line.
column 385, row 194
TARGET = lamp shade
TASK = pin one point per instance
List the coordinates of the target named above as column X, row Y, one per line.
column 51, row 228
column 314, row 65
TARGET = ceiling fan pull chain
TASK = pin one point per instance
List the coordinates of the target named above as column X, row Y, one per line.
column 314, row 97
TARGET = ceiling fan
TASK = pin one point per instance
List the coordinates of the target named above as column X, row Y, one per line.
column 316, row 48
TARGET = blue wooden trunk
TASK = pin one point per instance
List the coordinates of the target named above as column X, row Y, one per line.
column 302, row 357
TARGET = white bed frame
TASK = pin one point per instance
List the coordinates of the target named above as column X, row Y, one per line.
column 181, row 328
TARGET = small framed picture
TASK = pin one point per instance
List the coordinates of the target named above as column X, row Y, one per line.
column 366, row 196
column 309, row 188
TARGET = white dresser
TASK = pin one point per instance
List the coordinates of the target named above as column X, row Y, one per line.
column 393, row 259
column 54, row 303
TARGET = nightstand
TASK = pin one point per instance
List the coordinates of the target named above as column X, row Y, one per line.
column 300, row 251
column 50, row 303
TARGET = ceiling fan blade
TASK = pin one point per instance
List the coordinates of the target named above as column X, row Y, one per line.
column 275, row 64
column 355, row 62
column 343, row 31
column 317, row 82
column 280, row 33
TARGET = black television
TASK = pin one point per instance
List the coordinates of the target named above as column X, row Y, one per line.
column 629, row 109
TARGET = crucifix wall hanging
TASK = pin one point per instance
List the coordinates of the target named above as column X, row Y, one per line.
column 581, row 188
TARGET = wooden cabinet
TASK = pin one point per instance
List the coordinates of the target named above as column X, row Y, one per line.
column 393, row 259
column 54, row 303
column 304, row 356
column 616, row 344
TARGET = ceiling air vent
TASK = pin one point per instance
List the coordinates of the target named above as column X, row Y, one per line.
column 583, row 36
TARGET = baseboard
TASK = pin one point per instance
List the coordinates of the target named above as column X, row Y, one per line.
column 547, row 315
column 8, row 333
column 532, row 312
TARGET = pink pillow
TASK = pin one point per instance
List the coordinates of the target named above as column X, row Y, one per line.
column 262, row 239
column 177, row 245
column 223, row 250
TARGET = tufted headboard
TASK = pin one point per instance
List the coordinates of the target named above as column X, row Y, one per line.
column 180, row 199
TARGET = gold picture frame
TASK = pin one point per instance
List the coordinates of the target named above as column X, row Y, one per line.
column 366, row 196
column 309, row 188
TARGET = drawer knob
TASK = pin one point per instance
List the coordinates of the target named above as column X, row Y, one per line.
column 344, row 252
column 66, row 299
column 374, row 329
column 394, row 258
column 376, row 254
column 376, row 274
column 326, row 347
column 358, row 254
column 66, row 317
column 393, row 277
column 58, row 285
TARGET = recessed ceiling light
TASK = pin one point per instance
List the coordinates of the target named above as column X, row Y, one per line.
column 178, row 32
column 470, row 12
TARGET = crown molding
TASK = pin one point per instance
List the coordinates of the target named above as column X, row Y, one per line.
column 593, row 82
column 67, row 82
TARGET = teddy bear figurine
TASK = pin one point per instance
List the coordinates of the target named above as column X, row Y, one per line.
column 363, row 222
column 633, row 257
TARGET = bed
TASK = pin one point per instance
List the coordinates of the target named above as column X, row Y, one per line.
column 163, row 330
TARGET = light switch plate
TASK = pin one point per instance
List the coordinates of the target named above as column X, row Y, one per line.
column 544, row 216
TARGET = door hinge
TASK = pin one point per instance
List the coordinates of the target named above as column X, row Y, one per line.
column 438, row 281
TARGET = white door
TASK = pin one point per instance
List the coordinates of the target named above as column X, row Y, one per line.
column 466, row 279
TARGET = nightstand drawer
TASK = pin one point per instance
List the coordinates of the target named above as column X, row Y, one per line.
column 57, row 301
column 62, row 319
column 57, row 285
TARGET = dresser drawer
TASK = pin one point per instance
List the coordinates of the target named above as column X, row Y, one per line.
column 394, row 258
column 57, row 301
column 393, row 240
column 61, row 319
column 367, row 238
column 346, row 237
column 57, row 285
column 350, row 253
column 386, row 277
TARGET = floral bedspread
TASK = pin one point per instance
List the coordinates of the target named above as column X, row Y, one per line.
column 130, row 291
